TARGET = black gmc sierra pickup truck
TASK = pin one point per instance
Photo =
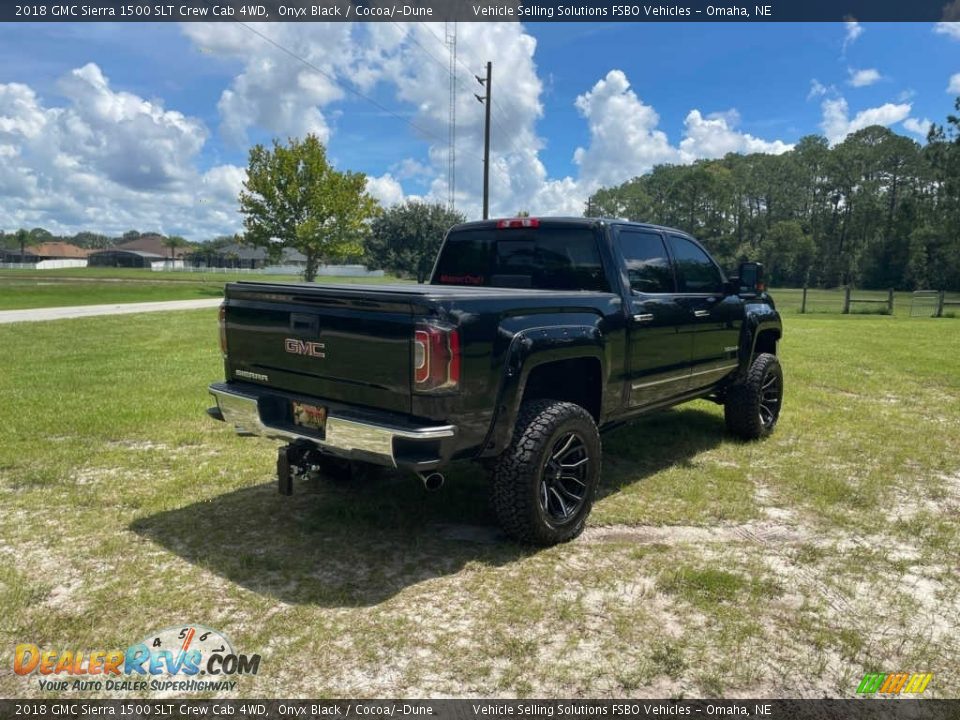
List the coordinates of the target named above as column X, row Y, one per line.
column 532, row 336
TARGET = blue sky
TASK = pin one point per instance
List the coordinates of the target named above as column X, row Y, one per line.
column 162, row 115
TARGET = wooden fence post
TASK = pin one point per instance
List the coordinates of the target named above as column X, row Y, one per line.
column 846, row 300
column 940, row 297
column 890, row 301
column 803, row 302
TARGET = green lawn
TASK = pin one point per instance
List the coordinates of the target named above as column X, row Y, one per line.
column 20, row 289
column 788, row 567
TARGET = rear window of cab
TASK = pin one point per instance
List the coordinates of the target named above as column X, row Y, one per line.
column 546, row 258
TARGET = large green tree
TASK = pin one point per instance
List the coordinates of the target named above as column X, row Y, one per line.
column 294, row 198
column 405, row 239
column 876, row 210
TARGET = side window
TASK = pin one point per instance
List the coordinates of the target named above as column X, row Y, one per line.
column 648, row 267
column 696, row 272
column 568, row 262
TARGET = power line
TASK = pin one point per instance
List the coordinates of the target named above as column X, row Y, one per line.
column 459, row 62
column 497, row 106
column 417, row 43
column 350, row 89
column 450, row 43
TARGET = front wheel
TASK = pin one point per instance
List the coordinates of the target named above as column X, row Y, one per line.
column 545, row 482
column 752, row 407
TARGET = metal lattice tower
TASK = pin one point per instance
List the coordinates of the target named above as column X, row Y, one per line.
column 451, row 40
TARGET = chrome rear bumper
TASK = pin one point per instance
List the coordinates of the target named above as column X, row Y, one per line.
column 343, row 436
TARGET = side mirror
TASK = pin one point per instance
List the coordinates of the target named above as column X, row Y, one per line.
column 751, row 278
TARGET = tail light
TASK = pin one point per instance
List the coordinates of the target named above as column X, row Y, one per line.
column 436, row 358
column 223, row 329
column 524, row 222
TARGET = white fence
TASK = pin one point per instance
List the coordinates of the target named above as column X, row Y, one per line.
column 167, row 265
column 44, row 265
column 328, row 270
column 178, row 266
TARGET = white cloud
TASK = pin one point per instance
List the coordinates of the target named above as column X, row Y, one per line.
column 624, row 139
column 714, row 136
column 108, row 160
column 817, row 89
column 516, row 173
column 864, row 78
column 134, row 142
column 852, row 30
column 410, row 168
column 837, row 123
column 386, row 189
column 276, row 90
column 950, row 29
column 917, row 127
column 20, row 112
column 954, row 85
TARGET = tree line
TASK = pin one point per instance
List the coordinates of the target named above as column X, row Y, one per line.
column 877, row 210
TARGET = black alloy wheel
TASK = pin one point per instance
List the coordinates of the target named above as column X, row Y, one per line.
column 564, row 478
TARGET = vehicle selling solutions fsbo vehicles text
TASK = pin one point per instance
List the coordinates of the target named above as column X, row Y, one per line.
column 616, row 11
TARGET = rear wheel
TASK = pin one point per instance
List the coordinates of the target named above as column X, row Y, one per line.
column 752, row 407
column 545, row 482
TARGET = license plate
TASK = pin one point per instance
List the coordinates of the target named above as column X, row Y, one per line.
column 309, row 416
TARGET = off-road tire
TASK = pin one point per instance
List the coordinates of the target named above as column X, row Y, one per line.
column 520, row 471
column 752, row 406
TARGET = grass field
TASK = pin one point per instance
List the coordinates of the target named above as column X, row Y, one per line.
column 788, row 567
column 21, row 289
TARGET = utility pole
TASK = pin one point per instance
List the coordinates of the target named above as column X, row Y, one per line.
column 486, row 138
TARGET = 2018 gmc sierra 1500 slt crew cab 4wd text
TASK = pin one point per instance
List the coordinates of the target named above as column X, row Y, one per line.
column 531, row 337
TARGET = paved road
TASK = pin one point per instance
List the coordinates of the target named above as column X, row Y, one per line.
column 79, row 311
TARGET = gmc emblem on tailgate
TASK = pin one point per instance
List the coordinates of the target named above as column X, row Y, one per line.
column 304, row 347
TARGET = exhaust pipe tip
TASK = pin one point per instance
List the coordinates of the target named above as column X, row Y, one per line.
column 432, row 481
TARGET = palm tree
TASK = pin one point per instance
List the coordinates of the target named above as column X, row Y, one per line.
column 22, row 237
column 173, row 242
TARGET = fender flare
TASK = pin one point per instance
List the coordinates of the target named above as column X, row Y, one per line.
column 529, row 349
column 753, row 325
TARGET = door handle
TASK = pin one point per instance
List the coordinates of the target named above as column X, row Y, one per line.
column 643, row 317
column 701, row 313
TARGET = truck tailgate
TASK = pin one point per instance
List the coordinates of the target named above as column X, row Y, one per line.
column 344, row 344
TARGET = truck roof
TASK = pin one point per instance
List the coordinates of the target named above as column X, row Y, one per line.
column 570, row 221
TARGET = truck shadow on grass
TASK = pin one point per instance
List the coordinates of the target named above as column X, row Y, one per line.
column 644, row 447
column 359, row 545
